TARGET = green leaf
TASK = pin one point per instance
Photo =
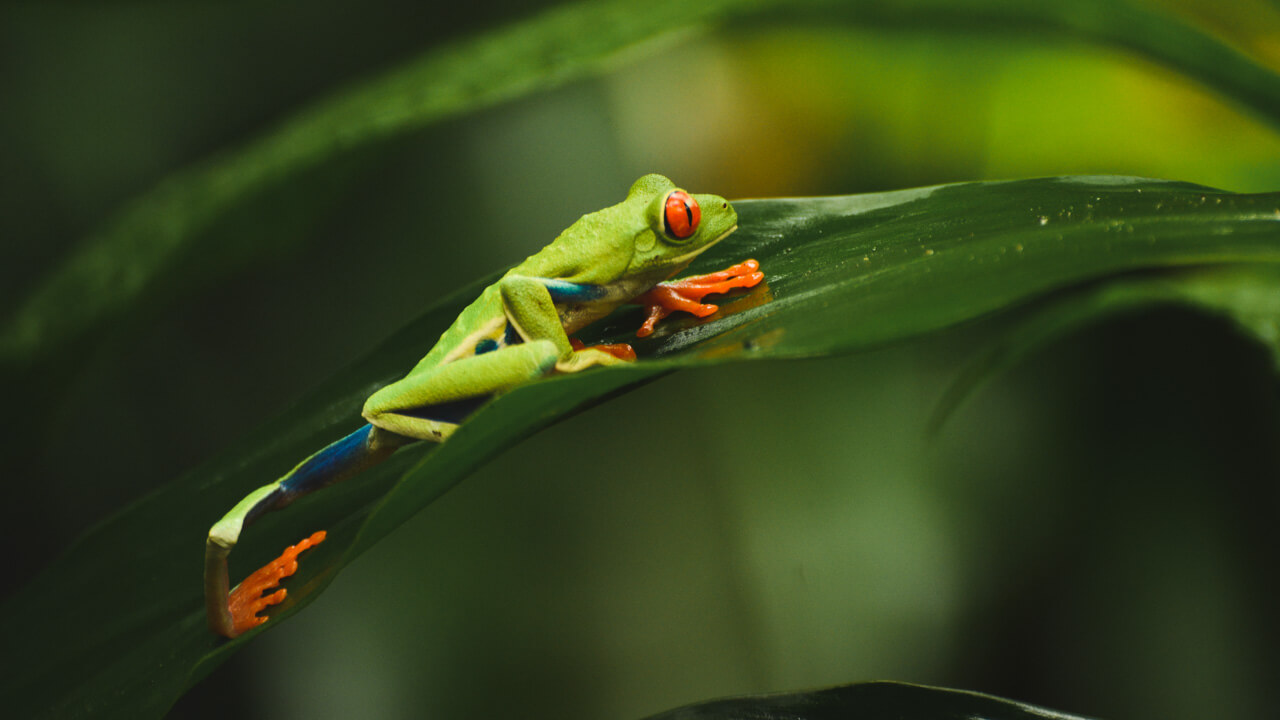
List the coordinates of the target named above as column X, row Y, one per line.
column 866, row 701
column 137, row 256
column 1244, row 295
column 843, row 273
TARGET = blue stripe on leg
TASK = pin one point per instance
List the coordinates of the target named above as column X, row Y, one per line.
column 317, row 471
column 327, row 465
column 562, row 290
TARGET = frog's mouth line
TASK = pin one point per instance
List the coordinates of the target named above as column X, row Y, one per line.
column 704, row 248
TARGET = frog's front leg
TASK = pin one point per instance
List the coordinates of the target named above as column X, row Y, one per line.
column 530, row 305
column 686, row 294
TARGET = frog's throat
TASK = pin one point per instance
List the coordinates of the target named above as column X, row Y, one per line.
column 688, row 257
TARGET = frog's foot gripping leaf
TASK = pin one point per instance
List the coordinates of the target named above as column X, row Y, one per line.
column 622, row 351
column 251, row 596
column 686, row 294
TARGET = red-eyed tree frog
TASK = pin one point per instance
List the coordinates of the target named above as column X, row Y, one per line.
column 517, row 331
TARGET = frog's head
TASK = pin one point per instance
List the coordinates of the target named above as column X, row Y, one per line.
column 680, row 225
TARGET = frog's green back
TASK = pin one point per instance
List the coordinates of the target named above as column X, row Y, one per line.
column 597, row 248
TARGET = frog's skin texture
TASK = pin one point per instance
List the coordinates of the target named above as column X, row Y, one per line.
column 517, row 331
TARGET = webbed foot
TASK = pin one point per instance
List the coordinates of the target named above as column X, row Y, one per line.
column 686, row 294
column 250, row 597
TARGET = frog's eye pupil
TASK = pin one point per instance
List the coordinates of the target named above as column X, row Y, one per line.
column 681, row 214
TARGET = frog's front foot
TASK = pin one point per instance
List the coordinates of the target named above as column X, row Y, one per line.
column 260, row 590
column 686, row 294
column 621, row 351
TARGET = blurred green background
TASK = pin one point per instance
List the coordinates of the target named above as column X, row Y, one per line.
column 1092, row 532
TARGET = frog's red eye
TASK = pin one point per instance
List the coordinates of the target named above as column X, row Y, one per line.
column 681, row 214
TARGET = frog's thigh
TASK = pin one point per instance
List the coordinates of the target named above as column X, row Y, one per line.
column 430, row 405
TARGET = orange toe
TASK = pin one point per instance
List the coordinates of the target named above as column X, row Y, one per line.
column 248, row 599
column 686, row 294
column 622, row 351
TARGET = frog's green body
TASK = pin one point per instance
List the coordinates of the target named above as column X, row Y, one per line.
column 519, row 327
column 515, row 332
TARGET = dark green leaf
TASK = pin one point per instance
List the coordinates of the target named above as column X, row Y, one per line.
column 842, row 273
column 1245, row 295
column 866, row 701
column 136, row 254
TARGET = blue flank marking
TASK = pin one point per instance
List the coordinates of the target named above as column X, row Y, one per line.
column 486, row 345
column 511, row 336
column 325, row 466
column 578, row 292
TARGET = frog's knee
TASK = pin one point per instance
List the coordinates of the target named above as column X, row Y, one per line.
column 224, row 534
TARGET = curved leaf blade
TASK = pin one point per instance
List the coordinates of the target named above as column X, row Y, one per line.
column 133, row 255
column 884, row 267
column 843, row 273
column 1246, row 296
column 866, row 701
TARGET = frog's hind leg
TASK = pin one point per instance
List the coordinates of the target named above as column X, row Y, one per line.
column 430, row 405
column 424, row 406
column 232, row 612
